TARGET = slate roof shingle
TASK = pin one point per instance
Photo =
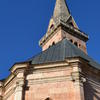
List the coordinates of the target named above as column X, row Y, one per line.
column 59, row 52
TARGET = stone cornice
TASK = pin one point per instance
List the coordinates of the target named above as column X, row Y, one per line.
column 51, row 65
column 19, row 66
column 84, row 63
column 48, row 35
column 14, row 70
column 8, row 79
column 72, row 30
column 77, row 60
column 75, row 31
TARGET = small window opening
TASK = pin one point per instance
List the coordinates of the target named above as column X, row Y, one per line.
column 47, row 99
column 53, row 43
column 71, row 41
column 52, row 26
column 71, row 24
column 76, row 44
column 79, row 45
column 49, row 46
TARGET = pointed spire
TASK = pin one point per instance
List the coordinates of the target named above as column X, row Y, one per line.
column 61, row 10
column 62, row 25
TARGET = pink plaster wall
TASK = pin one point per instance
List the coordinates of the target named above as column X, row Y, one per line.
column 56, row 38
column 59, row 35
column 56, row 91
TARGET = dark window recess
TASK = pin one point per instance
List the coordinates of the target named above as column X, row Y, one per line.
column 71, row 24
column 79, row 45
column 47, row 99
column 49, row 46
column 53, row 43
column 71, row 41
column 76, row 44
column 52, row 26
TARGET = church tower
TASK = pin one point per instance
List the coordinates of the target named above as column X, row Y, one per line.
column 62, row 71
column 62, row 25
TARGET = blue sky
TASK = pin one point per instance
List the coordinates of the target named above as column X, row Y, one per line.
column 24, row 22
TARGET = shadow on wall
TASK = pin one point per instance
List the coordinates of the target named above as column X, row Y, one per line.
column 48, row 98
column 91, row 91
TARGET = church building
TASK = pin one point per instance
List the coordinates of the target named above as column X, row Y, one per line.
column 62, row 71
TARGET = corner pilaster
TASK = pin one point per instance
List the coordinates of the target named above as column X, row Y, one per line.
column 78, row 80
column 19, row 86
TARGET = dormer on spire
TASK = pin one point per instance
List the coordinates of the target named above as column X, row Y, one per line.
column 61, row 14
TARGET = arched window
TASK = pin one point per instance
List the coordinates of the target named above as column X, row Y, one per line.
column 52, row 26
column 71, row 41
column 48, row 98
column 53, row 43
column 49, row 46
column 76, row 44
column 79, row 45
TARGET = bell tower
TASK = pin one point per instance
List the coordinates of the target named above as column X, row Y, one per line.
column 62, row 25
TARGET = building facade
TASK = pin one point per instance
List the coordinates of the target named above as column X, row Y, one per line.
column 62, row 71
